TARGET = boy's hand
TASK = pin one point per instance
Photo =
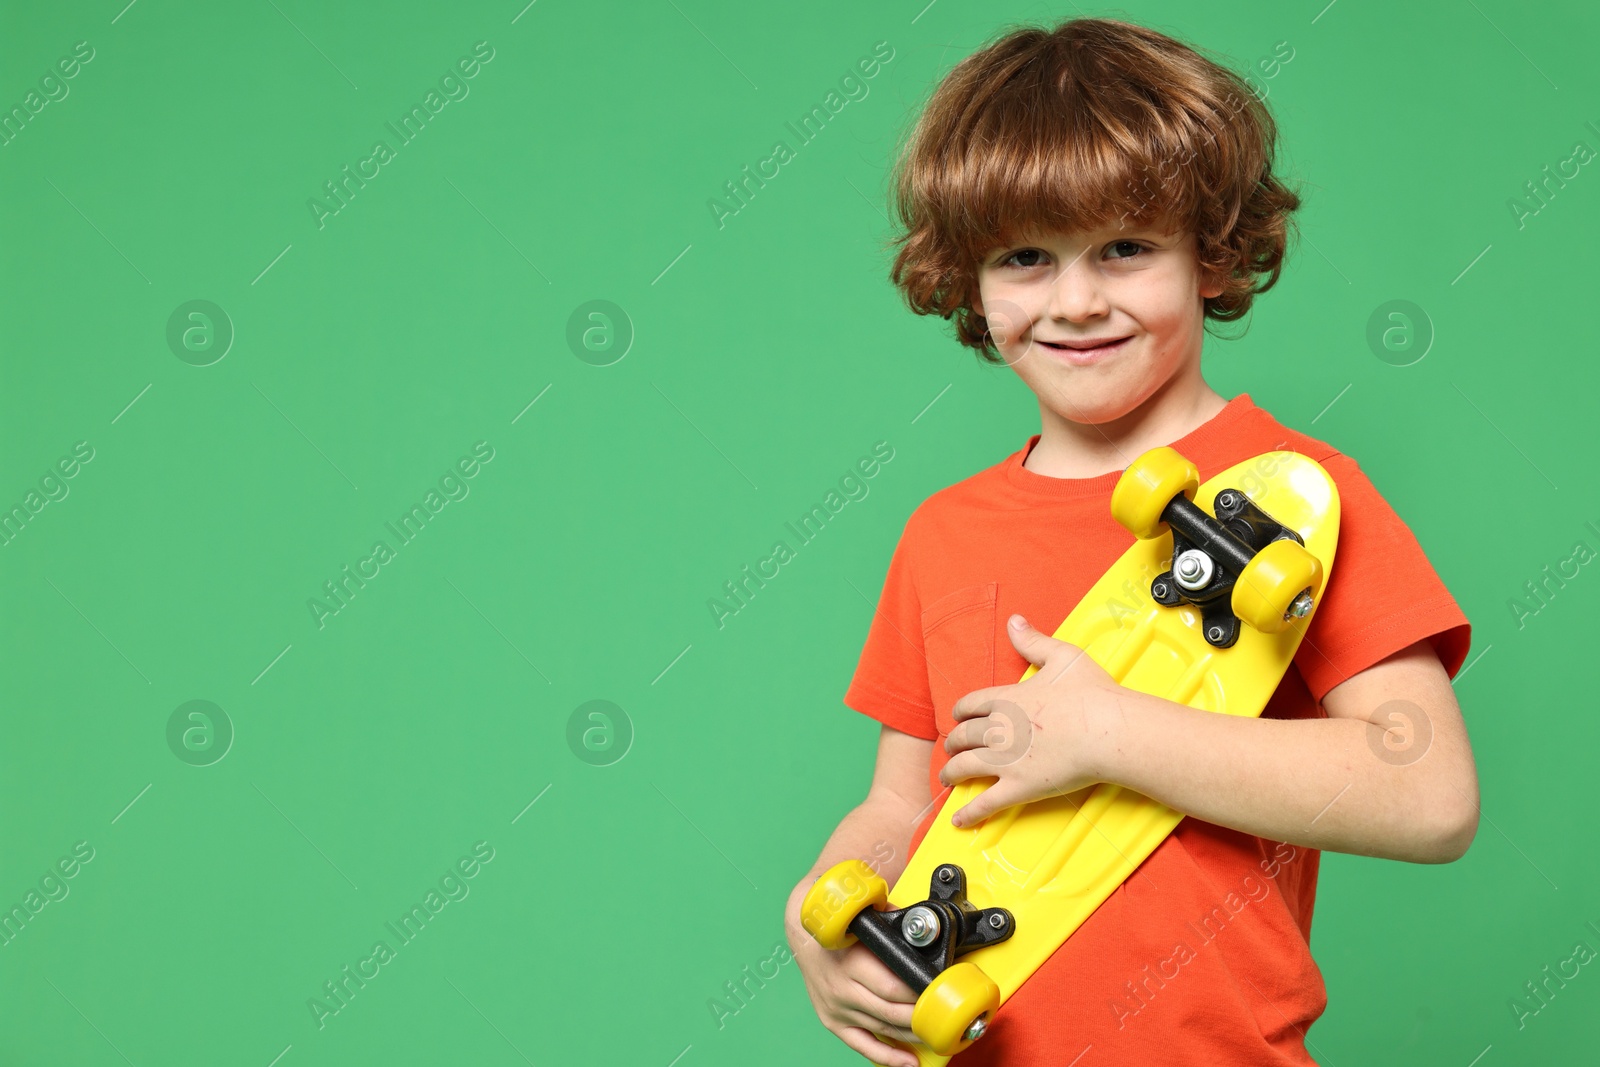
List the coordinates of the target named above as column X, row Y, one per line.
column 1039, row 738
column 859, row 1000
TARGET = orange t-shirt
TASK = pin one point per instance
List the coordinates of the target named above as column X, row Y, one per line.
column 1202, row 956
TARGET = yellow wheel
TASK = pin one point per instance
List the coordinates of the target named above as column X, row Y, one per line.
column 842, row 892
column 1270, row 583
column 946, row 1011
column 1148, row 486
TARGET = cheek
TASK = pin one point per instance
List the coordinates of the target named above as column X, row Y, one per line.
column 1171, row 321
column 1010, row 322
column 1026, row 369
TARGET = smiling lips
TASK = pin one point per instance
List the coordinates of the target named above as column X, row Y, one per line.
column 1082, row 346
column 1083, row 353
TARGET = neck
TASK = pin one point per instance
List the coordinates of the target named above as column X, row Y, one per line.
column 1069, row 449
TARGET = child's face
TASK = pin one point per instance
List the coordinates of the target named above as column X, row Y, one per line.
column 1117, row 282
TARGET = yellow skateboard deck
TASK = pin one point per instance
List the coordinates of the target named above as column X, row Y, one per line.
column 1050, row 863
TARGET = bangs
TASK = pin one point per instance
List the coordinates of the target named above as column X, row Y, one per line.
column 1064, row 147
column 1068, row 176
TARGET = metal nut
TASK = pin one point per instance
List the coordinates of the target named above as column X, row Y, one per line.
column 1192, row 570
column 921, row 926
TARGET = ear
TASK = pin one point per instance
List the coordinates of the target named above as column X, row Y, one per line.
column 1210, row 286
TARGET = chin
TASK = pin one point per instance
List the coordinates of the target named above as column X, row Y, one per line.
column 1097, row 406
column 1095, row 415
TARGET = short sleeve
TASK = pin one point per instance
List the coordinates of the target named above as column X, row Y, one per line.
column 890, row 683
column 1382, row 596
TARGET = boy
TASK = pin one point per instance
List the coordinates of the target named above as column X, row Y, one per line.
column 1081, row 200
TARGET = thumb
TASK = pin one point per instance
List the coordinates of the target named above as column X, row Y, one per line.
column 1033, row 645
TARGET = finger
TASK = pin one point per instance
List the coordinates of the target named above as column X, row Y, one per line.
column 986, row 803
column 966, row 765
column 1033, row 645
column 887, row 1029
column 1037, row 647
column 881, row 1016
column 968, row 734
column 867, row 1045
column 875, row 991
column 978, row 702
column 897, row 1033
column 876, row 977
column 1002, row 736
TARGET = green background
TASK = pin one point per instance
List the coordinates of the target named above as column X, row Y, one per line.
column 767, row 355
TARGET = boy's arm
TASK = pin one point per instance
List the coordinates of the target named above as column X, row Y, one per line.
column 878, row 830
column 1389, row 773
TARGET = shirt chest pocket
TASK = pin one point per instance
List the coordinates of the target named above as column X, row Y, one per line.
column 958, row 634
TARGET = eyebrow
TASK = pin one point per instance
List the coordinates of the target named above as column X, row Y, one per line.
column 1147, row 234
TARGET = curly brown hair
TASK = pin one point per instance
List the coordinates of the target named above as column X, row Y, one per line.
column 1064, row 130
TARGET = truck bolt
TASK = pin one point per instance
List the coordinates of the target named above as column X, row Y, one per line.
column 921, row 926
column 1192, row 569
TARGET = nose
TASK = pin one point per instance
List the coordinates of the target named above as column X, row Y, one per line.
column 1075, row 292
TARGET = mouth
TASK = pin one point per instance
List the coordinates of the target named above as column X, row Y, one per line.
column 1083, row 356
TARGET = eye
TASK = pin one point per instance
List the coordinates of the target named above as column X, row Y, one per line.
column 1130, row 250
column 1006, row 261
